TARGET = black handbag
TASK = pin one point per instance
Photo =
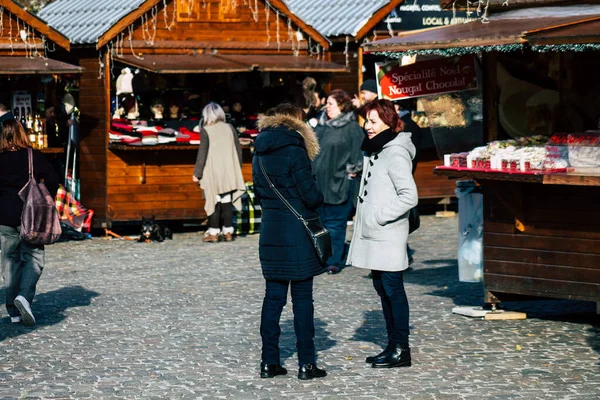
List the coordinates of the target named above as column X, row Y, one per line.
column 39, row 219
column 414, row 220
column 318, row 234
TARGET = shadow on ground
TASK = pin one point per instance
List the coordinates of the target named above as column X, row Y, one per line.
column 49, row 309
column 442, row 274
column 287, row 341
column 373, row 328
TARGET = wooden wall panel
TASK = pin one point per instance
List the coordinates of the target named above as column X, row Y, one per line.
column 555, row 253
column 145, row 183
column 92, row 147
column 347, row 81
column 432, row 186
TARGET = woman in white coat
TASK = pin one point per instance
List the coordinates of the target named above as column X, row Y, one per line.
column 387, row 193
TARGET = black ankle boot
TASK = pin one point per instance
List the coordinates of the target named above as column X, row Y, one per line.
column 309, row 371
column 379, row 357
column 398, row 357
column 271, row 370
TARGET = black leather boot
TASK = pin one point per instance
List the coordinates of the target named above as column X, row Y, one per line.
column 379, row 357
column 310, row 371
column 398, row 357
column 271, row 370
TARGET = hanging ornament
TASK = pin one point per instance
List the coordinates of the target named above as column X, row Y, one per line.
column 277, row 33
column 100, row 64
column 346, row 52
column 267, row 15
column 130, row 28
column 1, row 22
column 168, row 25
column 254, row 10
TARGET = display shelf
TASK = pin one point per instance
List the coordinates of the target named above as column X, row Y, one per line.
column 577, row 180
column 487, row 175
column 53, row 150
column 554, row 178
column 158, row 147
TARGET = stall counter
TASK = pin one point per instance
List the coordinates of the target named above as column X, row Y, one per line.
column 541, row 235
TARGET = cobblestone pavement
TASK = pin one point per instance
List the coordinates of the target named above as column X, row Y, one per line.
column 180, row 320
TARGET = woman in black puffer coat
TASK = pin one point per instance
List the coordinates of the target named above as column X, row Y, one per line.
column 286, row 145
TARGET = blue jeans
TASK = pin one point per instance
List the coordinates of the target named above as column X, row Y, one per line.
column 22, row 265
column 390, row 288
column 273, row 303
column 335, row 218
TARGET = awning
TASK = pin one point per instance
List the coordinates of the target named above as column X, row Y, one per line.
column 212, row 63
column 286, row 63
column 477, row 35
column 36, row 65
column 586, row 32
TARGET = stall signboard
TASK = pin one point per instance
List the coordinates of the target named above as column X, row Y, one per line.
column 21, row 104
column 444, row 75
column 421, row 14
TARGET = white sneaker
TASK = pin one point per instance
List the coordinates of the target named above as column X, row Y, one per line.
column 15, row 320
column 25, row 309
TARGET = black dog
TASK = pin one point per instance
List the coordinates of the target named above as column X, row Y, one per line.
column 152, row 231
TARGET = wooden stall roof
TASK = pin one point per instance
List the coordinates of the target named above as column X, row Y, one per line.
column 477, row 34
column 127, row 20
column 585, row 32
column 209, row 63
column 175, row 64
column 354, row 18
column 37, row 23
column 36, row 65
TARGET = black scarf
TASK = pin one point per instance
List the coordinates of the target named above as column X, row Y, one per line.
column 376, row 144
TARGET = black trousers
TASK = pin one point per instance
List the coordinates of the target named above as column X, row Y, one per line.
column 304, row 327
column 223, row 216
column 390, row 288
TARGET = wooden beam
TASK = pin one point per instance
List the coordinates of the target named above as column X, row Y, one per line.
column 376, row 18
column 38, row 24
column 360, row 69
column 125, row 22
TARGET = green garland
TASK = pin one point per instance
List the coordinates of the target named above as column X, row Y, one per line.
column 566, row 47
column 453, row 51
column 461, row 51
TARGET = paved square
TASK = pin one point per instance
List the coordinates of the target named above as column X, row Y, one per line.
column 180, row 320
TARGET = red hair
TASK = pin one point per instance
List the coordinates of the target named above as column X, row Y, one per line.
column 386, row 111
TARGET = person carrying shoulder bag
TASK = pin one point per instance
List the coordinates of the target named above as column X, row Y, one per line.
column 22, row 262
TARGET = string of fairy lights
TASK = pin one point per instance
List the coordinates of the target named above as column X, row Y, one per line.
column 151, row 20
column 21, row 35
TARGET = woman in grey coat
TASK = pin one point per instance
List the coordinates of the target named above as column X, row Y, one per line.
column 387, row 193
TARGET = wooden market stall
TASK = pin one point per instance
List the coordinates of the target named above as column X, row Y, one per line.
column 173, row 39
column 542, row 227
column 32, row 67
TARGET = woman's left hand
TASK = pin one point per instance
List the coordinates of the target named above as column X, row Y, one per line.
column 195, row 179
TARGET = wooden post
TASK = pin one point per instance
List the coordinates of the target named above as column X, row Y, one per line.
column 360, row 69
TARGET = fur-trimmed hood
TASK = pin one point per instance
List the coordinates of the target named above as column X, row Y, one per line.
column 279, row 124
